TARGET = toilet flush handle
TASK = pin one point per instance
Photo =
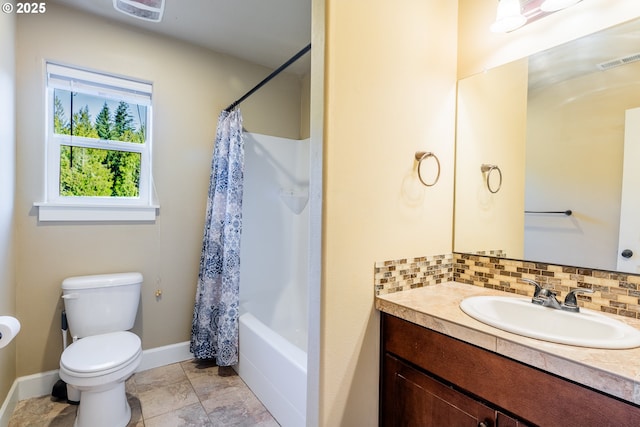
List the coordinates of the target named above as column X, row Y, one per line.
column 70, row 296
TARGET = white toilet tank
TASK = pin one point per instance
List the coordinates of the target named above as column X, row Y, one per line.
column 101, row 303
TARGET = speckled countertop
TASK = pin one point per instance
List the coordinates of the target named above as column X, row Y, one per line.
column 615, row 372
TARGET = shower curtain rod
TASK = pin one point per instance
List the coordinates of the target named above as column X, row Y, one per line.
column 293, row 59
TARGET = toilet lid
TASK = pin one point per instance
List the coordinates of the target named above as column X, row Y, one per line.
column 101, row 352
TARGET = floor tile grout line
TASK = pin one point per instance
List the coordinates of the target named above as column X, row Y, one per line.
column 186, row 376
column 194, row 389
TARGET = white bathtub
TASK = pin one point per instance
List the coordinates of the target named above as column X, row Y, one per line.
column 275, row 370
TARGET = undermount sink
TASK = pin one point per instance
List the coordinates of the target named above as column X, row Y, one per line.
column 519, row 316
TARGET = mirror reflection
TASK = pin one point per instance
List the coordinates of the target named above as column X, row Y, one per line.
column 561, row 127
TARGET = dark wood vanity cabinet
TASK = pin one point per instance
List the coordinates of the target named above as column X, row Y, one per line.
column 430, row 379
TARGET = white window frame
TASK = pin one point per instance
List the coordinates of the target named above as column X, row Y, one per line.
column 57, row 207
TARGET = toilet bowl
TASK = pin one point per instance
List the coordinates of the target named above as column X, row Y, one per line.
column 98, row 367
column 101, row 309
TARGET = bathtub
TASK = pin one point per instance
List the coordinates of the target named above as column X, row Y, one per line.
column 275, row 370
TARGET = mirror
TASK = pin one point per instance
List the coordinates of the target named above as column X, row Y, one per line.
column 554, row 123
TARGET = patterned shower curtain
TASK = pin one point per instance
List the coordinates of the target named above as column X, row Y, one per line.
column 214, row 330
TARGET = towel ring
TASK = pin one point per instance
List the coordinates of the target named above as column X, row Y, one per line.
column 488, row 169
column 422, row 155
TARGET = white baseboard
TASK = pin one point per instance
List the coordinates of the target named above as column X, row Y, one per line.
column 9, row 405
column 166, row 355
column 42, row 383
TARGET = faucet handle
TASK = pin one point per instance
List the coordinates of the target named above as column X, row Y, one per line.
column 548, row 293
column 534, row 283
column 571, row 302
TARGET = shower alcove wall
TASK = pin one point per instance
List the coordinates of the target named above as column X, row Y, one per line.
column 274, row 274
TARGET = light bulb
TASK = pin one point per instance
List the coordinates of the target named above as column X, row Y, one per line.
column 509, row 17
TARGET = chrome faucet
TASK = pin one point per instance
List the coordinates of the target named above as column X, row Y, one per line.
column 547, row 298
column 543, row 296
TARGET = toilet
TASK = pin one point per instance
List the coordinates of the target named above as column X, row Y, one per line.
column 100, row 311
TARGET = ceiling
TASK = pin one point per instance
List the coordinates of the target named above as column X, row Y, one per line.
column 264, row 32
column 582, row 56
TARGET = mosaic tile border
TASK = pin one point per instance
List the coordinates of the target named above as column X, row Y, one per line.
column 614, row 292
column 408, row 273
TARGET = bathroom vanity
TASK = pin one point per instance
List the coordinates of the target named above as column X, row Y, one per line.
column 440, row 367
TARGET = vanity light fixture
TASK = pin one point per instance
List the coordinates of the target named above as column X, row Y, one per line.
column 509, row 16
column 555, row 5
column 147, row 10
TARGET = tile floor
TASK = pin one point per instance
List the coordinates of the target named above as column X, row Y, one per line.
column 189, row 393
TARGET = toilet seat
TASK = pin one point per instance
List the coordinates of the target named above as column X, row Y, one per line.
column 100, row 355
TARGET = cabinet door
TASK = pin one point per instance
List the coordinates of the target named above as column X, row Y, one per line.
column 412, row 398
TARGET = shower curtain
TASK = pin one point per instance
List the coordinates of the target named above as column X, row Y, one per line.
column 214, row 330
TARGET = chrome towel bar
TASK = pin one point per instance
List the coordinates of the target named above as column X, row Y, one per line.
column 568, row 212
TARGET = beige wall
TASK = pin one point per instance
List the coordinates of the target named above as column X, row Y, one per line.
column 191, row 86
column 305, row 107
column 491, row 129
column 7, row 192
column 479, row 49
column 390, row 91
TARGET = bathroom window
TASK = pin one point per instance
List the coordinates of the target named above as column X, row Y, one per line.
column 98, row 147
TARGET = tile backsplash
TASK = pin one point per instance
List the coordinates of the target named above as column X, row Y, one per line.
column 408, row 273
column 616, row 293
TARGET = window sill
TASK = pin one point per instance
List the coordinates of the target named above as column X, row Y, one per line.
column 98, row 213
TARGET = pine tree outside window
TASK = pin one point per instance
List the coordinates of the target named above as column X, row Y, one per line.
column 98, row 147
